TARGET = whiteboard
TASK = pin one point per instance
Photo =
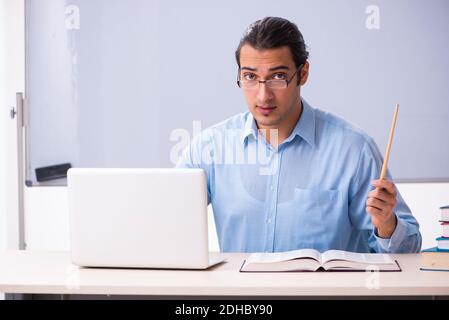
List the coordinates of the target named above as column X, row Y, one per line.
column 113, row 83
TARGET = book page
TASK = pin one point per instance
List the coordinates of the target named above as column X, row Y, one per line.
column 269, row 257
column 367, row 258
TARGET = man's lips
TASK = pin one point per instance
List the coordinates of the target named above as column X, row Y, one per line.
column 266, row 110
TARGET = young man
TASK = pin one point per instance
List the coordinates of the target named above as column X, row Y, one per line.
column 314, row 184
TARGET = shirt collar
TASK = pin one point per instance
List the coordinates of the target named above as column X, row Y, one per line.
column 305, row 127
column 250, row 128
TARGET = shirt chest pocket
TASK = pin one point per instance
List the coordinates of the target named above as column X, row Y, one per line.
column 307, row 214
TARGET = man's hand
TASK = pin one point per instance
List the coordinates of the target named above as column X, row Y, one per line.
column 380, row 205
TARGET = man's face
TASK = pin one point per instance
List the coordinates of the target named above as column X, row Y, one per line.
column 272, row 108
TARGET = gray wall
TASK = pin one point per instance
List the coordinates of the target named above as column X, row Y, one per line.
column 110, row 93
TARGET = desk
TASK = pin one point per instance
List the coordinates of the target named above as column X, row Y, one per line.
column 33, row 272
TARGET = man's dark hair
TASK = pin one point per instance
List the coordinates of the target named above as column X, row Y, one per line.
column 274, row 32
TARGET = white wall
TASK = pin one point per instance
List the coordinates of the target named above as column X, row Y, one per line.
column 2, row 137
column 47, row 214
column 2, row 132
column 12, row 80
column 13, row 59
column 425, row 199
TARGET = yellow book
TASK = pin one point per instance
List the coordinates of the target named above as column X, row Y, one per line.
column 434, row 259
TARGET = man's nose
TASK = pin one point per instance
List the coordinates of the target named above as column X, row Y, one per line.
column 264, row 93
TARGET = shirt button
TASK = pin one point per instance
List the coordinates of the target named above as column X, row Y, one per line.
column 271, row 187
column 268, row 221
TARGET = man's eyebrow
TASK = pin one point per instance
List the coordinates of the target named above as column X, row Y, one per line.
column 248, row 68
column 279, row 68
column 282, row 67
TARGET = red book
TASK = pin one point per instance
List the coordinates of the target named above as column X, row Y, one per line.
column 444, row 214
column 445, row 227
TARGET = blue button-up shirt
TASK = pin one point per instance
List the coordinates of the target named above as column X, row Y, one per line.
column 309, row 192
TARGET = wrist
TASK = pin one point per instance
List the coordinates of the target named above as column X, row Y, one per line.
column 387, row 229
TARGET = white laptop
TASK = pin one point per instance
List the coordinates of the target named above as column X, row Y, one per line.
column 139, row 218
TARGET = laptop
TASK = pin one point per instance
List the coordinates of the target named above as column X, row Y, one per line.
column 139, row 218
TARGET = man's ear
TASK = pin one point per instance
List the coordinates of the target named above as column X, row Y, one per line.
column 303, row 74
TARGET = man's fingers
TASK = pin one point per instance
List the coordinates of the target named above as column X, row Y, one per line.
column 380, row 194
column 378, row 204
column 373, row 211
column 387, row 185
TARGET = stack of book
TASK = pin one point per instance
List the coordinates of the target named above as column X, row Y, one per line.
column 437, row 258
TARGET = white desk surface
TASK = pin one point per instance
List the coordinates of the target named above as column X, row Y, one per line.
column 52, row 273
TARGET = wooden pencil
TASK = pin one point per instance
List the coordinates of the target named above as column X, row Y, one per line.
column 390, row 140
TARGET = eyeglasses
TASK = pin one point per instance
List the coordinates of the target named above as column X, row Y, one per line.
column 272, row 83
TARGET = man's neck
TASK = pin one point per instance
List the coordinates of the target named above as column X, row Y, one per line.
column 277, row 134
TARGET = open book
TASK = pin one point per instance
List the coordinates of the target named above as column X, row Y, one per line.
column 313, row 260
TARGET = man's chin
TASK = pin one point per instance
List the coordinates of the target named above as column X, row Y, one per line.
column 267, row 121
